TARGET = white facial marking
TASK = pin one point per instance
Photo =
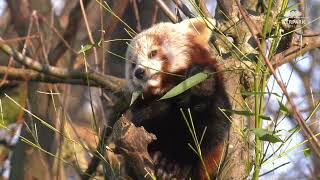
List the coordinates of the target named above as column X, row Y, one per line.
column 176, row 50
column 152, row 66
column 154, row 81
column 174, row 45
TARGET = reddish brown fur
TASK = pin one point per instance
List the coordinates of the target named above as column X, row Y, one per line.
column 166, row 122
column 212, row 160
column 200, row 54
column 158, row 38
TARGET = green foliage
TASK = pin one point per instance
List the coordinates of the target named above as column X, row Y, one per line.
column 248, row 113
column 196, row 141
column 87, row 47
column 135, row 96
column 307, row 152
column 186, row 84
column 9, row 111
column 265, row 135
column 283, row 108
column 246, row 93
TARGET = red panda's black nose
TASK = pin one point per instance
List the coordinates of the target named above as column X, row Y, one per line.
column 139, row 73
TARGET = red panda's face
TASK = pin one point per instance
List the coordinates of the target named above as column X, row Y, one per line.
column 159, row 56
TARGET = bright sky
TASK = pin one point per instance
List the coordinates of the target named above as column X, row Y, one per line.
column 3, row 5
column 57, row 5
column 296, row 156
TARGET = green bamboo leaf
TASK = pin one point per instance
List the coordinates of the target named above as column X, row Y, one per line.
column 292, row 7
column 85, row 48
column 293, row 129
column 135, row 96
column 248, row 113
column 265, row 117
column 246, row 93
column 186, row 84
column 265, row 135
column 283, row 108
column 307, row 152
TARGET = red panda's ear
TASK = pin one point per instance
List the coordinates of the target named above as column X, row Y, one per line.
column 201, row 27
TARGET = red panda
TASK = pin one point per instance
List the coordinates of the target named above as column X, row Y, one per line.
column 158, row 59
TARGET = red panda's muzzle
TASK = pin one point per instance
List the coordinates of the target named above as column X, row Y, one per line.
column 140, row 73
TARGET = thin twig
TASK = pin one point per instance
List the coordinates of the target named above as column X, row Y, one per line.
column 312, row 34
column 60, row 36
column 17, row 39
column 96, row 63
column 96, row 157
column 41, row 41
column 103, row 56
column 274, row 169
column 27, row 41
column 68, row 35
column 5, row 76
column 116, row 12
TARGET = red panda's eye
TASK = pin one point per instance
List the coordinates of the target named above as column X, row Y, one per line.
column 152, row 53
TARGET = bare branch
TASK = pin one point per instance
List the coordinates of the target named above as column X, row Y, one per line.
column 110, row 82
column 204, row 9
column 137, row 15
column 293, row 52
column 167, row 11
column 30, row 75
column 310, row 34
column 154, row 14
column 186, row 11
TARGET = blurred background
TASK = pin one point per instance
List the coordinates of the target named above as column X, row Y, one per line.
column 53, row 32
